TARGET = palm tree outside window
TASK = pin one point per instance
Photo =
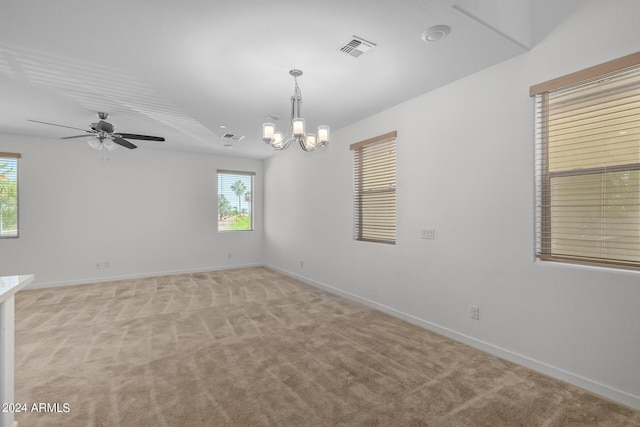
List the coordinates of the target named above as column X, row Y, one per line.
column 235, row 201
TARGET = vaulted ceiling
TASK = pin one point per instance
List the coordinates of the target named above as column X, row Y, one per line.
column 195, row 70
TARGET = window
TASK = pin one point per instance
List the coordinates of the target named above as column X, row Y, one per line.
column 374, row 169
column 9, row 194
column 588, row 165
column 235, row 201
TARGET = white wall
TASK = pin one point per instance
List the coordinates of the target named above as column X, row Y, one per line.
column 145, row 211
column 466, row 167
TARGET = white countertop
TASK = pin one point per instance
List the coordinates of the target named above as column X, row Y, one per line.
column 9, row 285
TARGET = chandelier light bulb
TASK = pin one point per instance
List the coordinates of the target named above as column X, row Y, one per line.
column 311, row 141
column 298, row 127
column 268, row 130
column 323, row 134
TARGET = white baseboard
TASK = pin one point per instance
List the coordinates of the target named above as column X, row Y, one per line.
column 136, row 276
column 603, row 390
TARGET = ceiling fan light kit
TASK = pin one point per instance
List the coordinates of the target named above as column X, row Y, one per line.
column 99, row 144
column 103, row 135
column 297, row 130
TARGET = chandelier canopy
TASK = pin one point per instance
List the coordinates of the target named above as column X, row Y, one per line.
column 308, row 141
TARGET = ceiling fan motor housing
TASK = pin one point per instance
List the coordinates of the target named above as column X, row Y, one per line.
column 102, row 126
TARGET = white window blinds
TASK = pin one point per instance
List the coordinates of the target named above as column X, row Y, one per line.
column 9, row 194
column 588, row 165
column 374, row 168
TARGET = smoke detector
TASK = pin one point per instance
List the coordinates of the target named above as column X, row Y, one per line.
column 436, row 33
column 356, row 46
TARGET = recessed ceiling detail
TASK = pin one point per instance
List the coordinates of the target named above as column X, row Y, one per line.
column 356, row 46
column 98, row 88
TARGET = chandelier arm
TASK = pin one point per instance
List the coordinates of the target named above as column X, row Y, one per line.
column 303, row 145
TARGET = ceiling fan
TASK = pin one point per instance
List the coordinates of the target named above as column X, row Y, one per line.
column 105, row 134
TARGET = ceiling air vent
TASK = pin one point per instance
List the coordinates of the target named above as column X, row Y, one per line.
column 356, row 47
column 232, row 136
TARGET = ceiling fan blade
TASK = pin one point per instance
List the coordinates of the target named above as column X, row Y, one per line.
column 123, row 142
column 76, row 136
column 62, row 126
column 143, row 137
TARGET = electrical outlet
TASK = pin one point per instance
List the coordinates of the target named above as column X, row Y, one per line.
column 106, row 264
column 301, row 263
column 475, row 312
column 229, row 255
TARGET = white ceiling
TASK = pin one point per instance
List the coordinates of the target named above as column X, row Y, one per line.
column 183, row 69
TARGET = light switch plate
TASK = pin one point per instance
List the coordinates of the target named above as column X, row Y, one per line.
column 428, row 233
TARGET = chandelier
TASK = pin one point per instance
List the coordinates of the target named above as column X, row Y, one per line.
column 308, row 141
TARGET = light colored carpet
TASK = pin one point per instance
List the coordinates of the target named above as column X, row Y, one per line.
column 251, row 347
